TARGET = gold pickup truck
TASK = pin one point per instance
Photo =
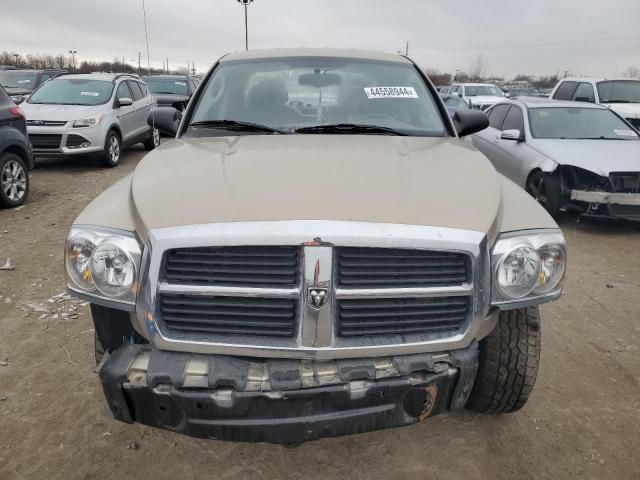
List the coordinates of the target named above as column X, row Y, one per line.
column 316, row 253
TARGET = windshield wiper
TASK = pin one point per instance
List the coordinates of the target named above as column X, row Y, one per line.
column 602, row 137
column 617, row 101
column 235, row 125
column 348, row 128
column 166, row 93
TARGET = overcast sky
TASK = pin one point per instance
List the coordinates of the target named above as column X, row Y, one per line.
column 591, row 37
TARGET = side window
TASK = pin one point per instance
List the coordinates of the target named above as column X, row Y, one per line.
column 496, row 115
column 143, row 87
column 192, row 86
column 135, row 90
column 43, row 78
column 584, row 93
column 565, row 91
column 123, row 91
column 514, row 120
column 454, row 89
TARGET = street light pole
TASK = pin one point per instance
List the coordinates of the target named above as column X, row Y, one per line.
column 73, row 58
column 246, row 22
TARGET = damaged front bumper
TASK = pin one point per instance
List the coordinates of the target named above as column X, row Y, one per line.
column 609, row 204
column 282, row 401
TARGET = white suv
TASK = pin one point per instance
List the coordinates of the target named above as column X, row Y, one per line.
column 620, row 95
column 98, row 113
column 479, row 96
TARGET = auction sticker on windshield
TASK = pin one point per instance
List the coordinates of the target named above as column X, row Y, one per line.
column 625, row 133
column 391, row 92
column 90, row 94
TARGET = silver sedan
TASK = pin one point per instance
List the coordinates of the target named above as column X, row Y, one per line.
column 566, row 154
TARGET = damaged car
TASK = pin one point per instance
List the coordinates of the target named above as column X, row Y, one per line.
column 346, row 267
column 567, row 155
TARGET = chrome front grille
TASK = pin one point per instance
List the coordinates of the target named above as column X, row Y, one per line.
column 229, row 315
column 394, row 316
column 252, row 266
column 384, row 268
column 361, row 290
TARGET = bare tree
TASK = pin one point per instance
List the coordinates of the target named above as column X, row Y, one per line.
column 437, row 77
column 632, row 72
column 478, row 67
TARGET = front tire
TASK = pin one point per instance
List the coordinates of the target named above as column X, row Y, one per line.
column 508, row 363
column 110, row 156
column 14, row 180
column 547, row 190
column 153, row 141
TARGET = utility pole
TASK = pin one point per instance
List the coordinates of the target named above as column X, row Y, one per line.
column 16, row 56
column 193, row 68
column 406, row 50
column 139, row 60
column 246, row 3
column 124, row 70
column 566, row 72
column 167, row 65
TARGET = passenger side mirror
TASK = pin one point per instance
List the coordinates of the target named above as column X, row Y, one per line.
column 470, row 121
column 165, row 119
column 514, row 135
column 125, row 102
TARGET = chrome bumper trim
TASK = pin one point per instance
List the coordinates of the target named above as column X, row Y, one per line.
column 164, row 287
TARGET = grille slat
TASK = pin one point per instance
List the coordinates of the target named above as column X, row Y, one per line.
column 396, row 268
column 41, row 140
column 229, row 315
column 398, row 316
column 259, row 266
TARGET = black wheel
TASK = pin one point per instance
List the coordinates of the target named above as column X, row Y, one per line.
column 14, row 180
column 99, row 349
column 153, row 141
column 508, row 363
column 547, row 190
column 110, row 156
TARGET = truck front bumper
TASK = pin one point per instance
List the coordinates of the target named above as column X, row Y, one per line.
column 281, row 401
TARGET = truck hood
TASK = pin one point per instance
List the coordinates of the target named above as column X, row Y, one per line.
column 627, row 110
column 35, row 111
column 598, row 156
column 382, row 179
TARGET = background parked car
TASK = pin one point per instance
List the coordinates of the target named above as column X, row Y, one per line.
column 172, row 90
column 19, row 84
column 622, row 95
column 455, row 103
column 566, row 154
column 479, row 95
column 15, row 155
column 95, row 113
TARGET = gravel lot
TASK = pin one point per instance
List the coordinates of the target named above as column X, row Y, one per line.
column 583, row 420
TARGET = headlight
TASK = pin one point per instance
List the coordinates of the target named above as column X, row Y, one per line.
column 89, row 121
column 103, row 264
column 528, row 268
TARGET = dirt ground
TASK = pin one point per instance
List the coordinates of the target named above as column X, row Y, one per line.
column 583, row 420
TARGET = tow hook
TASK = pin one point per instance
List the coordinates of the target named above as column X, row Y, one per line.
column 419, row 401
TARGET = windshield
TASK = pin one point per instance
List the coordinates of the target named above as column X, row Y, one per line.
column 293, row 93
column 619, row 91
column 578, row 123
column 482, row 90
column 177, row 86
column 73, row 91
column 13, row 79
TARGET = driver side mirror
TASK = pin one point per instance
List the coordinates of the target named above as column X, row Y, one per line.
column 470, row 121
column 165, row 119
column 514, row 135
column 125, row 102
